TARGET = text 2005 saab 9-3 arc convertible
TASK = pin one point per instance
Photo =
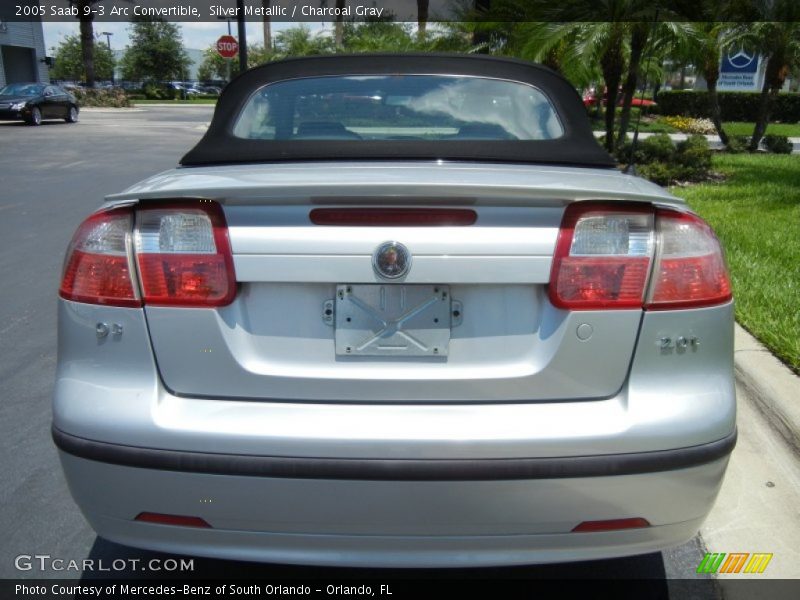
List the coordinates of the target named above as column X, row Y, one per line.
column 395, row 311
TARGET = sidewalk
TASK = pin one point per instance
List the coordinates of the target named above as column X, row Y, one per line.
column 770, row 383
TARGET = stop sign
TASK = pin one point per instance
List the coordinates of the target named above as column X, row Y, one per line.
column 227, row 46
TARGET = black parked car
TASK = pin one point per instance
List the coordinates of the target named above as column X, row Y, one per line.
column 34, row 102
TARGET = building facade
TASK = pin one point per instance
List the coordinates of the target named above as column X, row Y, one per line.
column 22, row 52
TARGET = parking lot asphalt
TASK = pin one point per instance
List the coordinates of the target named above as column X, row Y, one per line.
column 53, row 176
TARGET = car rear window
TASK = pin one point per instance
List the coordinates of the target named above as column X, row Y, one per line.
column 398, row 107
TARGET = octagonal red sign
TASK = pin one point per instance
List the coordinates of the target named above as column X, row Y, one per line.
column 227, row 46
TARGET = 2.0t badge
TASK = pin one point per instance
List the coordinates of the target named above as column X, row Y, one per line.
column 391, row 260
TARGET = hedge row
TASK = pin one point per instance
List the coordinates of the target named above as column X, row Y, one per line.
column 735, row 106
column 98, row 97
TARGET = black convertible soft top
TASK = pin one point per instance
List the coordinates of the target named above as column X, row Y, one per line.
column 576, row 147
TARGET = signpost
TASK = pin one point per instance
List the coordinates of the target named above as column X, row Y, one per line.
column 227, row 47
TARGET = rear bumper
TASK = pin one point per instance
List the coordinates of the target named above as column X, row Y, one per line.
column 603, row 465
column 383, row 523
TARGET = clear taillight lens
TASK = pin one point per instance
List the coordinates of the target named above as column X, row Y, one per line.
column 184, row 255
column 689, row 269
column 607, row 253
column 602, row 257
column 97, row 269
column 182, row 251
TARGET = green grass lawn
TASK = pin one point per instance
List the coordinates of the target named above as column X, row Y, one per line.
column 739, row 128
column 756, row 214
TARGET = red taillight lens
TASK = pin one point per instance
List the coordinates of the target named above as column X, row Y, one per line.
column 606, row 253
column 179, row 520
column 602, row 256
column 689, row 269
column 182, row 250
column 184, row 255
column 97, row 268
column 393, row 217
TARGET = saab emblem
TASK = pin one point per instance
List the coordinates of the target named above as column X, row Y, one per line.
column 391, row 260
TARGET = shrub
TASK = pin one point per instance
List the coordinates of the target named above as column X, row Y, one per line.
column 95, row 97
column 657, row 172
column 737, row 144
column 154, row 91
column 694, row 150
column 623, row 153
column 734, row 106
column 658, row 147
column 693, row 156
column 660, row 161
column 778, row 144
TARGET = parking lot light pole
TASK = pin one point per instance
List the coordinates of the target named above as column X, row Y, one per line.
column 108, row 35
column 242, row 36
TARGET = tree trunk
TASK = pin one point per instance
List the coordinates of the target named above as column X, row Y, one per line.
column 638, row 42
column 87, row 45
column 716, row 112
column 267, row 25
column 338, row 28
column 422, row 18
column 479, row 35
column 774, row 77
column 611, row 65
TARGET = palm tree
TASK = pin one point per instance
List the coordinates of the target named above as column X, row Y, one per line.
column 299, row 41
column 574, row 47
column 608, row 33
column 338, row 28
column 267, row 25
column 86, row 18
column 648, row 40
column 778, row 42
column 422, row 17
column 702, row 47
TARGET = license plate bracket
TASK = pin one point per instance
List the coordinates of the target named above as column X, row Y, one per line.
column 392, row 320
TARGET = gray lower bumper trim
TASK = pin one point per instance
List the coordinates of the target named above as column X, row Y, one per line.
column 394, row 469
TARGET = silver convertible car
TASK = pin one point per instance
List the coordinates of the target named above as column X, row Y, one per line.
column 395, row 311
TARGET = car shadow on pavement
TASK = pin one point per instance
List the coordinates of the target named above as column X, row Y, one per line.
column 24, row 124
column 647, row 567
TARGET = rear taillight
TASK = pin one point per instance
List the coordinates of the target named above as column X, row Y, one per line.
column 689, row 268
column 607, row 253
column 184, row 255
column 98, row 269
column 602, row 257
column 182, row 252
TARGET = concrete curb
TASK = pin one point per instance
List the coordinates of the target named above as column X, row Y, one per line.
column 174, row 105
column 770, row 383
